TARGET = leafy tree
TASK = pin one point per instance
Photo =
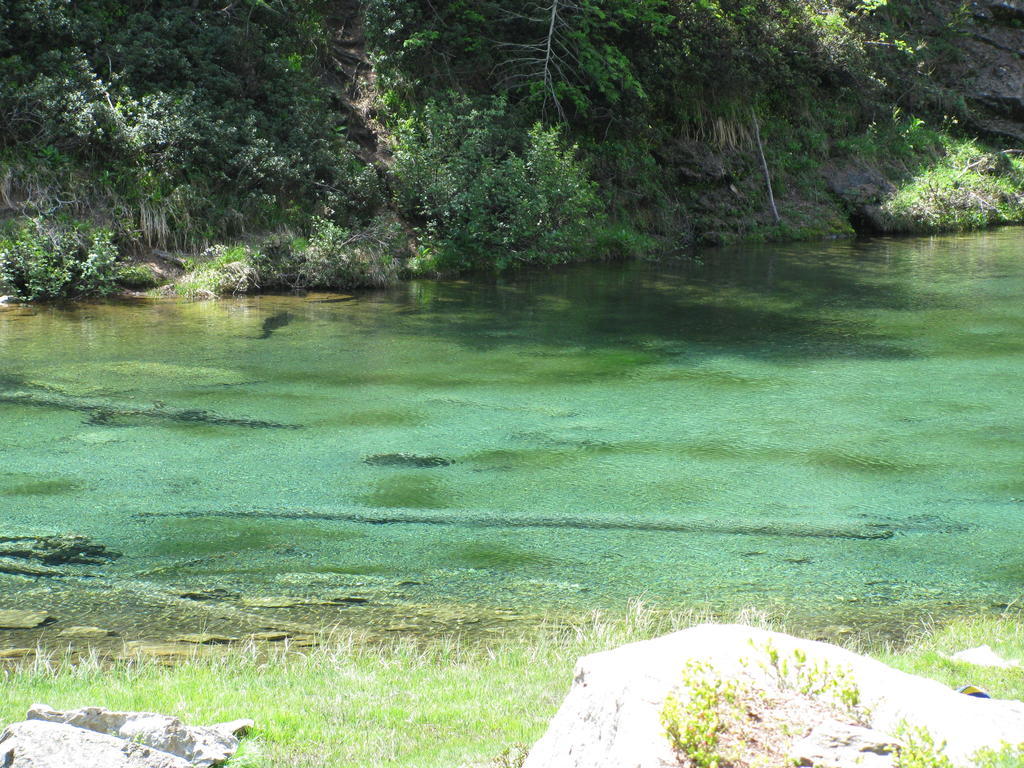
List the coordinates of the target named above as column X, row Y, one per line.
column 485, row 194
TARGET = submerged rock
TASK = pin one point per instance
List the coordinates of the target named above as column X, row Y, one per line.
column 86, row 633
column 273, row 323
column 56, row 550
column 35, row 555
column 204, row 638
column 279, row 601
column 393, row 517
column 208, row 594
column 272, row 636
column 407, row 460
column 15, row 619
column 19, row 568
column 273, row 602
column 17, row 653
column 105, row 413
column 164, row 653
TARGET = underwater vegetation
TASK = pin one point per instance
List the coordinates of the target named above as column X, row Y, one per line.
column 102, row 412
column 782, row 529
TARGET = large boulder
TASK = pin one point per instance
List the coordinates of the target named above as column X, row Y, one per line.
column 864, row 190
column 39, row 744
column 858, row 185
column 611, row 717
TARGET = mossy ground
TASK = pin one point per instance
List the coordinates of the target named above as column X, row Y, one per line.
column 438, row 704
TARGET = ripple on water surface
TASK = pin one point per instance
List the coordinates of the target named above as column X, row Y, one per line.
column 822, row 429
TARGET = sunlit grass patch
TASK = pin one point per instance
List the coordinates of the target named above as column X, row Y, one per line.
column 966, row 187
column 436, row 703
column 927, row 655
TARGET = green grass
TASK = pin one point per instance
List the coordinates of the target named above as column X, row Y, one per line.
column 434, row 704
column 343, row 706
column 927, row 655
column 219, row 271
column 966, row 187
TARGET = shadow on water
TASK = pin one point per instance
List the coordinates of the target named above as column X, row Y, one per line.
column 409, row 490
column 761, row 302
column 275, row 322
column 23, row 484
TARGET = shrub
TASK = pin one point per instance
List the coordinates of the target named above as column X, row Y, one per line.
column 341, row 258
column 967, row 188
column 486, row 194
column 693, row 727
column 186, row 123
column 46, row 260
column 137, row 277
column 621, row 241
column 334, row 257
column 220, row 270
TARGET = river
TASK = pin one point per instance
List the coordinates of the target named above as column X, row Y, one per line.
column 830, row 432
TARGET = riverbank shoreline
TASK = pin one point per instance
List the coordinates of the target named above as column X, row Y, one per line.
column 427, row 705
column 204, row 281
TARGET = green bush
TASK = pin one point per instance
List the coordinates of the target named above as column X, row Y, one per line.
column 218, row 271
column 965, row 188
column 186, row 122
column 619, row 241
column 486, row 194
column 45, row 260
column 334, row 257
column 136, row 277
column 694, row 726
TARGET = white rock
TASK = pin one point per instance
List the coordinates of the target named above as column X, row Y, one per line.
column 239, row 727
column 984, row 656
column 6, row 299
column 201, row 746
column 38, row 744
column 834, row 744
column 610, row 719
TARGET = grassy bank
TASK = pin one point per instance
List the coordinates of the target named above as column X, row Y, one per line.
column 443, row 704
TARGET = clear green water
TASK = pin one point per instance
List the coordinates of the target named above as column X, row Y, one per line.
column 834, row 431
